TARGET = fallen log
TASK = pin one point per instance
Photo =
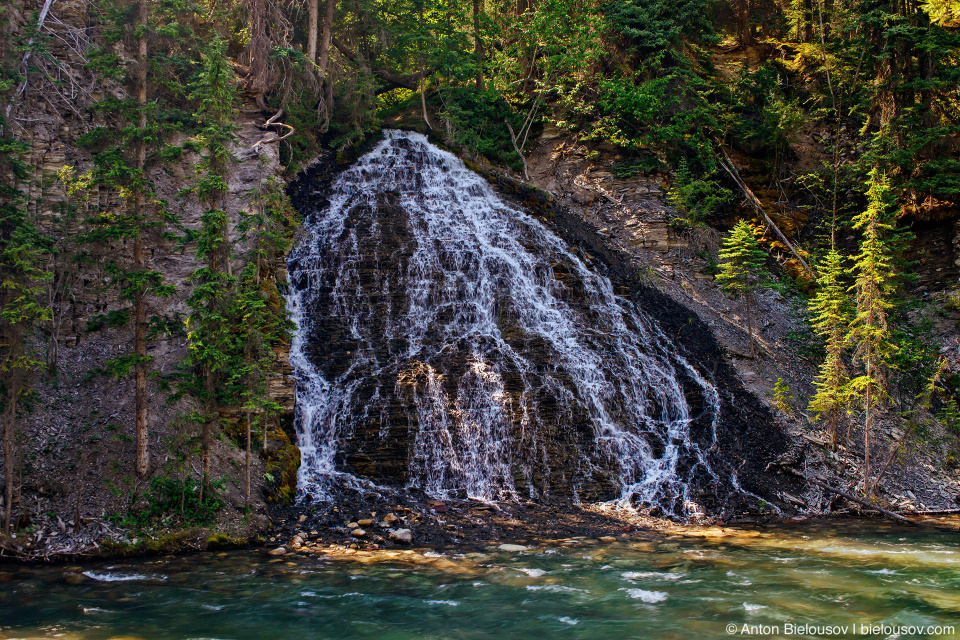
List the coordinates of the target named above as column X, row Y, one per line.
column 852, row 498
column 731, row 169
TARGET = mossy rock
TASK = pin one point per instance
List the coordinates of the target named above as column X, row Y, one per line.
column 281, row 474
column 221, row 540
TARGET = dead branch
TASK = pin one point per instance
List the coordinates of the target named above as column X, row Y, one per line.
column 513, row 139
column 846, row 496
column 731, row 169
column 26, row 56
column 272, row 122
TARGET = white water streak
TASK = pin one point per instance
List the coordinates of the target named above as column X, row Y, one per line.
column 479, row 268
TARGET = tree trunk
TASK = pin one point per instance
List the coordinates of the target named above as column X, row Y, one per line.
column 327, row 37
column 808, row 20
column 834, row 429
column 867, row 426
column 827, row 12
column 208, row 418
column 258, row 51
column 81, row 467
column 477, row 44
column 312, row 23
column 8, row 424
column 423, row 79
column 225, row 248
column 140, row 374
column 246, row 493
column 139, row 303
column 743, row 21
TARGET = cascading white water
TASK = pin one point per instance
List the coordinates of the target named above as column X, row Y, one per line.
column 443, row 326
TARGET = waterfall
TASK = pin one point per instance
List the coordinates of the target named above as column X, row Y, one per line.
column 451, row 342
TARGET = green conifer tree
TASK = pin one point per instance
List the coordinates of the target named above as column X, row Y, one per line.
column 741, row 269
column 211, row 331
column 830, row 309
column 22, row 276
column 873, row 286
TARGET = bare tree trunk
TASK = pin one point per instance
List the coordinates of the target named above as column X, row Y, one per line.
column 834, row 429
column 327, row 37
column 265, row 424
column 259, row 47
column 8, row 425
column 313, row 18
column 81, row 467
column 827, row 12
column 477, row 44
column 423, row 78
column 226, row 248
column 743, row 21
column 867, row 426
column 246, row 493
column 139, row 303
column 808, row 20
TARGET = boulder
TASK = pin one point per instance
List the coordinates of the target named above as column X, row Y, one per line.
column 74, row 577
column 403, row 536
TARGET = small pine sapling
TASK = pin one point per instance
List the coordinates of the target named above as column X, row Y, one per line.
column 741, row 269
column 782, row 398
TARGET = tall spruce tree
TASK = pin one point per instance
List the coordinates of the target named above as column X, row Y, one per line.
column 22, row 275
column 210, row 334
column 741, row 269
column 873, row 287
column 830, row 309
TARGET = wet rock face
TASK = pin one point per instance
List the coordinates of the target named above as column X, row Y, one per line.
column 448, row 341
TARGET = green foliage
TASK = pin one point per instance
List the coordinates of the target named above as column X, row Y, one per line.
column 945, row 12
column 697, row 199
column 949, row 415
column 478, row 120
column 110, row 320
column 742, row 261
column 913, row 63
column 646, row 163
column 171, row 500
column 23, row 277
column 672, row 113
column 830, row 315
column 782, row 399
column 873, row 287
column 655, row 27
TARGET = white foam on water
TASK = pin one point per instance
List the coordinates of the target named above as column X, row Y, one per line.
column 449, row 603
column 650, row 597
column 655, row 575
column 555, row 588
column 103, row 576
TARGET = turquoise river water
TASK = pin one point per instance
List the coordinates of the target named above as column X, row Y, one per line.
column 874, row 581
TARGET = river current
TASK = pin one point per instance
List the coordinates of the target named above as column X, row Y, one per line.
column 868, row 580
